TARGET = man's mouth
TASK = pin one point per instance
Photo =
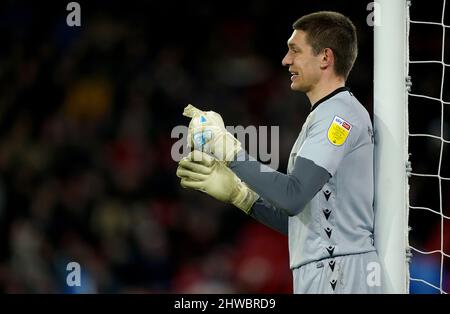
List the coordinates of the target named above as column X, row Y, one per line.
column 294, row 75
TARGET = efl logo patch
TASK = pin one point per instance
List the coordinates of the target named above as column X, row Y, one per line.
column 338, row 131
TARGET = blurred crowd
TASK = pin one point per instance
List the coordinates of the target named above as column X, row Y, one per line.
column 86, row 170
column 86, row 113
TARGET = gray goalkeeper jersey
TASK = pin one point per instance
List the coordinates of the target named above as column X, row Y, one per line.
column 339, row 220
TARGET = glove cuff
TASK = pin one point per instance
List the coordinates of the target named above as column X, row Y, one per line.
column 243, row 197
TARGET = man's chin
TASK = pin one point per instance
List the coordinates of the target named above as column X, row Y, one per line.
column 298, row 88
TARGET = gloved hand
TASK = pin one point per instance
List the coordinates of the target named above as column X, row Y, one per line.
column 207, row 133
column 200, row 171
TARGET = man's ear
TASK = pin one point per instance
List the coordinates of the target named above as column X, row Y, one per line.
column 327, row 58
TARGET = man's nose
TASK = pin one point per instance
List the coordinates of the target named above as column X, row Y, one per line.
column 286, row 60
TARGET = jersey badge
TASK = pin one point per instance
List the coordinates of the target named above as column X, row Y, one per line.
column 338, row 131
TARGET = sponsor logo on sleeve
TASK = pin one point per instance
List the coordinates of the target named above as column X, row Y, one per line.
column 338, row 131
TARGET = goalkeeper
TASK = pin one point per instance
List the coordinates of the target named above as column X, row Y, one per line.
column 325, row 201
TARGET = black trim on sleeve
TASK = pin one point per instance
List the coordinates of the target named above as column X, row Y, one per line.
column 337, row 91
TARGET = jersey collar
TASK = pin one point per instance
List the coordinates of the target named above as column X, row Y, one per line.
column 337, row 91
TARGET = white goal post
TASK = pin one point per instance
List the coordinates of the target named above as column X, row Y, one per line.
column 391, row 142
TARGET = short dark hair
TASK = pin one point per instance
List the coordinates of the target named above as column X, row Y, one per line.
column 327, row 29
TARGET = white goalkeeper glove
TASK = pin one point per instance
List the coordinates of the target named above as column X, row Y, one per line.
column 200, row 171
column 207, row 133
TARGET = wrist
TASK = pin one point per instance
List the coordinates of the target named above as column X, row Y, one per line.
column 243, row 197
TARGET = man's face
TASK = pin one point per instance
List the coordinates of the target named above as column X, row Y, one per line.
column 303, row 64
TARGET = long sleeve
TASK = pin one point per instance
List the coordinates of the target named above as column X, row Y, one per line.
column 270, row 216
column 288, row 192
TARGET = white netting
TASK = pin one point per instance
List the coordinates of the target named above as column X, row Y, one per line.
column 429, row 210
